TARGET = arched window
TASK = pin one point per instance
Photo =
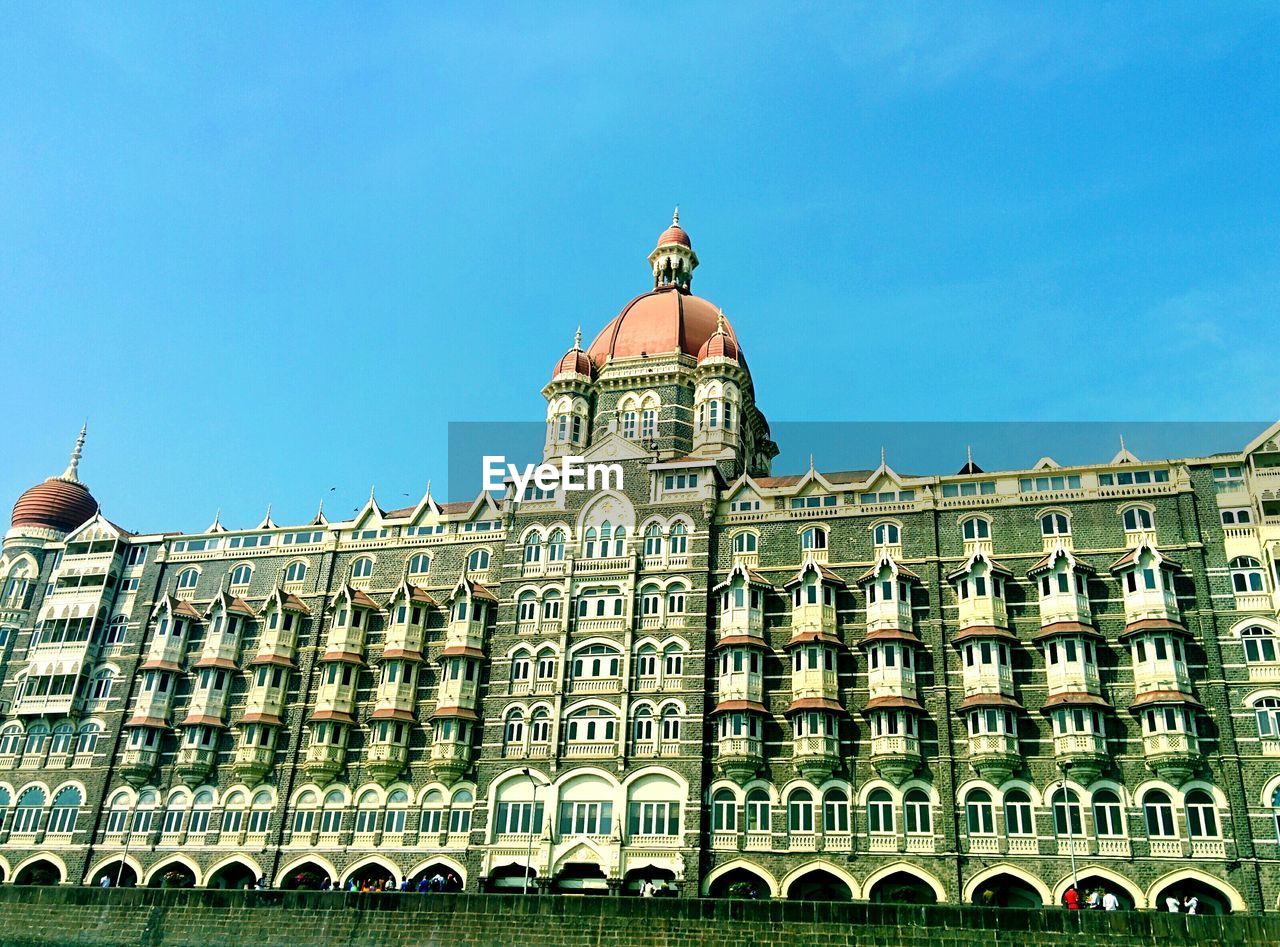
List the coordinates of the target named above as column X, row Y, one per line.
column 116, row 630
column 653, row 540
column 526, row 607
column 200, row 810
column 1246, row 575
column 1259, row 645
column 26, row 815
column 397, row 810
column 513, row 733
column 188, row 578
column 63, row 736
column 174, row 814
column 1267, row 712
column 362, row 568
column 887, row 534
column 744, row 542
column 551, row 606
column 1108, row 816
column 478, row 561
column 813, row 538
column 295, row 572
column 260, row 815
column 642, row 727
column 596, row 660
column 724, row 811
column 555, row 546
column 678, row 543
column 540, row 726
column 672, row 662
column 980, row 813
column 976, row 527
column 144, row 815
column 800, row 811
column 591, row 725
column 918, row 811
column 759, row 811
column 1202, row 815
column 419, row 564
column 367, row 813
column 1136, row 519
column 533, row 547
column 629, row 424
column 619, row 540
column 670, row 724
column 118, row 813
column 1055, row 524
column 880, row 812
column 37, row 739
column 432, row 810
column 304, row 815
column 1068, row 819
column 1275, row 810
column 650, row 600
column 521, row 666
column 66, row 808
column 87, row 738
column 1159, row 813
column 1018, row 818
column 241, row 574
column 460, row 812
column 10, row 739
column 331, row 817
column 676, row 600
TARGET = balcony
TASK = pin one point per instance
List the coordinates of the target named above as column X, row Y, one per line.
column 467, row 633
column 337, row 696
column 596, row 749
column 990, row 678
column 816, row 757
column 600, row 566
column 404, row 636
column 895, row 757
column 1064, row 606
column 741, row 621
column 995, row 756
column 894, row 614
column 265, row 701
column 1155, row 675
column 1166, row 848
column 1208, row 848
column 386, row 761
column 813, row 617
column 136, row 764
column 221, row 649
column 1086, row 752
column 897, row 681
column 814, row 682
column 1073, row 677
column 324, row 761
column 1114, row 847
column 982, row 610
column 194, row 763
column 595, row 685
column 739, row 758
column 449, row 759
column 741, row 685
column 1171, row 755
column 1150, row 603
column 207, row 702
column 251, row 763
column 47, row 704
column 398, row 696
column 594, row 625
column 345, row 639
column 170, row 649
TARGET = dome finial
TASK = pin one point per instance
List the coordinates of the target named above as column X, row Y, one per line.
column 76, row 452
column 720, row 322
column 675, row 217
column 577, row 338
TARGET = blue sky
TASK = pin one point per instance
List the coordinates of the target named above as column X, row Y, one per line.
column 269, row 250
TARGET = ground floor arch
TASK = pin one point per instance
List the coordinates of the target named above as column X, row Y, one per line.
column 235, row 873
column 740, row 879
column 903, row 884
column 819, row 881
column 663, row 880
column 43, row 869
column 584, row 877
column 439, row 866
column 372, row 872
column 1214, row 896
column 1093, row 878
column 1005, row 886
column 120, row 872
column 176, row 872
column 512, row 878
column 308, row 872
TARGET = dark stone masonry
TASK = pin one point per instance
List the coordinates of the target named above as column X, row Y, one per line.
column 75, row 915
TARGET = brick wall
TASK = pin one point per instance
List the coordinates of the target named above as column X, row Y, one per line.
column 71, row 915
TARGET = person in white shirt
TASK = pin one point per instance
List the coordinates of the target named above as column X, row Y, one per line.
column 1191, row 904
column 1110, row 902
column 1094, row 901
column 1172, row 904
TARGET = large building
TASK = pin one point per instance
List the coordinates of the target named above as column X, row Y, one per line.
column 855, row 684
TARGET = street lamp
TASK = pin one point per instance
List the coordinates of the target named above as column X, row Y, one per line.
column 128, row 837
column 1071, row 837
column 533, row 808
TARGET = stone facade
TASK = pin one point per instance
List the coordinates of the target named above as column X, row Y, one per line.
column 856, row 684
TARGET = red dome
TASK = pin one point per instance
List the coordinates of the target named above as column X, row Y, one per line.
column 720, row 345
column 59, row 503
column 574, row 362
column 660, row 322
column 674, row 234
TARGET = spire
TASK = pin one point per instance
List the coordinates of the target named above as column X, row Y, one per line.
column 675, row 217
column 970, row 467
column 267, row 522
column 216, row 526
column 76, row 452
column 720, row 322
column 882, row 463
column 577, row 338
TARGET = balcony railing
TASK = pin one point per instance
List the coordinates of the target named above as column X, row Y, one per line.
column 988, row 679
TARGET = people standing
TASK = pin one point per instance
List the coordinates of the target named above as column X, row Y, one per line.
column 1110, row 902
column 1191, row 903
column 1094, row 901
column 1072, row 899
column 1172, row 904
column 106, row 881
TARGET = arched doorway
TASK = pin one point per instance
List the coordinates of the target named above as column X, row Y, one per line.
column 443, row 876
column 375, row 874
column 819, row 885
column 902, row 887
column 118, row 876
column 662, row 879
column 44, row 872
column 1104, row 884
column 581, row 878
column 1210, row 900
column 172, row 875
column 233, row 876
column 1007, row 891
column 510, row 879
column 307, row 876
column 739, row 883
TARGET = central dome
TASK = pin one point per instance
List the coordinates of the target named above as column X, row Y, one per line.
column 661, row 322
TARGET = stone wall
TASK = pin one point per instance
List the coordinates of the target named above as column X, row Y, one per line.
column 73, row 915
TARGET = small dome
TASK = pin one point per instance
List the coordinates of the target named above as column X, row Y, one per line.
column 58, row 503
column 720, row 345
column 674, row 234
column 574, row 362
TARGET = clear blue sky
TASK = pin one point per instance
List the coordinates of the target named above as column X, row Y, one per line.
column 269, row 249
